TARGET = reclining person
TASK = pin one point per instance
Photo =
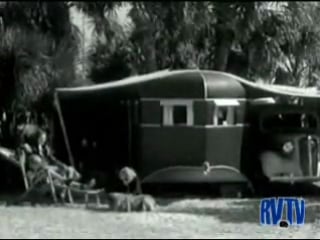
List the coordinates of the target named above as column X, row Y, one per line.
column 35, row 165
column 40, row 156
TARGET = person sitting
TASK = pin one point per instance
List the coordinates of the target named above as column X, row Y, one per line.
column 41, row 157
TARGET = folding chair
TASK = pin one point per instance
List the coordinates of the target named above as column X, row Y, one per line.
column 46, row 176
column 43, row 176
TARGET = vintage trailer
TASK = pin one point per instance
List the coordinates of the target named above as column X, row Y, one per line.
column 188, row 126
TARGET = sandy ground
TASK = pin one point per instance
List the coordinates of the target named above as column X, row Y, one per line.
column 192, row 218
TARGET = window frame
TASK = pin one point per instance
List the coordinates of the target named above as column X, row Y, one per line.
column 231, row 106
column 167, row 107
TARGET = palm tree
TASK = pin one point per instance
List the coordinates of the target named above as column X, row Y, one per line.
column 57, row 39
column 264, row 37
column 102, row 15
column 109, row 54
column 38, row 16
column 30, row 72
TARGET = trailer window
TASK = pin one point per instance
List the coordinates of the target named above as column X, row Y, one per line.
column 224, row 116
column 225, row 112
column 180, row 115
column 177, row 112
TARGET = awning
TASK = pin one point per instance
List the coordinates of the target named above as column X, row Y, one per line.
column 262, row 101
column 226, row 102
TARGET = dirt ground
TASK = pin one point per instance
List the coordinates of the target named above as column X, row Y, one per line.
column 187, row 218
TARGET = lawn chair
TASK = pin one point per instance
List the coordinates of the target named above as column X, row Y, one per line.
column 10, row 156
column 31, row 182
column 46, row 176
column 77, row 187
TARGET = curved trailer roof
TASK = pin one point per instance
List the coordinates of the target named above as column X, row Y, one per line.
column 174, row 84
column 188, row 84
column 165, row 84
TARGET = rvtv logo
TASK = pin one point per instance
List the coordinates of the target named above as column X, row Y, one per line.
column 272, row 211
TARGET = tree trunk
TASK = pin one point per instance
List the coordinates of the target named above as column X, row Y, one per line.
column 224, row 40
column 150, row 61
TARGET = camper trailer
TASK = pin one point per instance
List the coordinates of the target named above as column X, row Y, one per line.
column 191, row 126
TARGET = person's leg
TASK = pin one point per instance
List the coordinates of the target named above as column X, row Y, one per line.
column 55, row 174
column 83, row 186
column 70, row 177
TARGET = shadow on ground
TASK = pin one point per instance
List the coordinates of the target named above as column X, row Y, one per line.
column 95, row 208
column 233, row 211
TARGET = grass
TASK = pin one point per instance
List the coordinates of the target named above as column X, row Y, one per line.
column 175, row 218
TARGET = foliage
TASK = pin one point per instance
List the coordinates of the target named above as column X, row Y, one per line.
column 102, row 15
column 38, row 52
column 109, row 55
column 39, row 16
column 29, row 72
column 276, row 42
